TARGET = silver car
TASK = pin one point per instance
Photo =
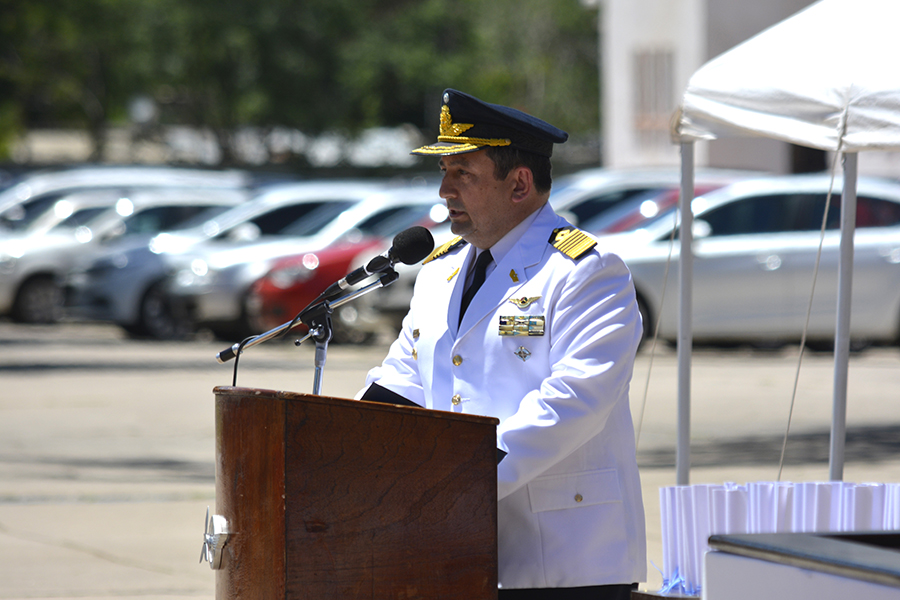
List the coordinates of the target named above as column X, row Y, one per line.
column 33, row 193
column 755, row 250
column 591, row 197
column 37, row 254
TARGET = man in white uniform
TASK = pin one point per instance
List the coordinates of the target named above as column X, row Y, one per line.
column 546, row 345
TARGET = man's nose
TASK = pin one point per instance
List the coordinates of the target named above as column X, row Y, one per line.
column 447, row 190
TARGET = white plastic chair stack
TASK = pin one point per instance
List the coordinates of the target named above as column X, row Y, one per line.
column 692, row 513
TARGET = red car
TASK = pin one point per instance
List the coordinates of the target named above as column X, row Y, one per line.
column 295, row 281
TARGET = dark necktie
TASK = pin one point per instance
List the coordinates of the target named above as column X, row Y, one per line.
column 481, row 265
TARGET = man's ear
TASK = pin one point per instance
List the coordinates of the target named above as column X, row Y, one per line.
column 523, row 183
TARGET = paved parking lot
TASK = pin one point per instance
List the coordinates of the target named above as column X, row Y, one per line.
column 107, row 444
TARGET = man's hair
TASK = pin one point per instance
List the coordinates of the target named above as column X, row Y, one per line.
column 506, row 159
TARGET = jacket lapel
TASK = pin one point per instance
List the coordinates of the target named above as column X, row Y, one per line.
column 512, row 272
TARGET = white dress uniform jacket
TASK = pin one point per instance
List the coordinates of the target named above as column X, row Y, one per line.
column 570, row 512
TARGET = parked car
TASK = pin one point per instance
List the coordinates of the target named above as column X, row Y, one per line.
column 587, row 195
column 755, row 251
column 127, row 283
column 36, row 256
column 295, row 281
column 384, row 309
column 31, row 194
column 215, row 284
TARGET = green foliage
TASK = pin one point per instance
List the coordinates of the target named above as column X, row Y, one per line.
column 315, row 65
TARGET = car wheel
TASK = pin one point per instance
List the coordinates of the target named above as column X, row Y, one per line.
column 252, row 318
column 345, row 327
column 40, row 300
column 162, row 319
column 647, row 324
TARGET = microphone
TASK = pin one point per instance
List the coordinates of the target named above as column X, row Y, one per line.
column 409, row 247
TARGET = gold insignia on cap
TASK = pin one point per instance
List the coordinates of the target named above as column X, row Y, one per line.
column 450, row 132
column 448, row 127
column 514, row 276
column 444, row 249
column 572, row 242
column 527, row 325
column 524, row 301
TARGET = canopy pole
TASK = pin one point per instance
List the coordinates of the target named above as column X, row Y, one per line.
column 685, row 323
column 842, row 325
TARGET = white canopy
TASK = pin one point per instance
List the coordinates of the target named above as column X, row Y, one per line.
column 824, row 78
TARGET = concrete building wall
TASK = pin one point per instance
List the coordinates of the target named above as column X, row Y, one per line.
column 652, row 47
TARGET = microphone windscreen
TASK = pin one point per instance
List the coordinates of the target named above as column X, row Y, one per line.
column 412, row 245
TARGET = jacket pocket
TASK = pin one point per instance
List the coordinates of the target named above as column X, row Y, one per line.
column 573, row 490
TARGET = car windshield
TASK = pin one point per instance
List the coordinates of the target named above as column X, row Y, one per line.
column 19, row 216
column 592, row 207
column 80, row 217
column 197, row 219
column 633, row 210
column 169, row 217
column 311, row 217
column 390, row 222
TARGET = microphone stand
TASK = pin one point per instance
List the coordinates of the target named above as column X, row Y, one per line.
column 317, row 317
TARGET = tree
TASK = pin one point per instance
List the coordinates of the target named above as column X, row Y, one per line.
column 313, row 65
column 66, row 64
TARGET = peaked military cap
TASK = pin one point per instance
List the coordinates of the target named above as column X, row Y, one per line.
column 469, row 124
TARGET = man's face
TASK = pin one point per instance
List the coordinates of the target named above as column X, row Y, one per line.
column 481, row 206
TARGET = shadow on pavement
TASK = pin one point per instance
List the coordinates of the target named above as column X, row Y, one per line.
column 863, row 444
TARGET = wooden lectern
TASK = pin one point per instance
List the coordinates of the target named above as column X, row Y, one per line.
column 332, row 498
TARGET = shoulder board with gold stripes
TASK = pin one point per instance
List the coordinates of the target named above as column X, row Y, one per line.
column 572, row 242
column 444, row 249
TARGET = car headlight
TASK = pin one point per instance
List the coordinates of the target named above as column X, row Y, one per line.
column 7, row 262
column 196, row 274
column 294, row 274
